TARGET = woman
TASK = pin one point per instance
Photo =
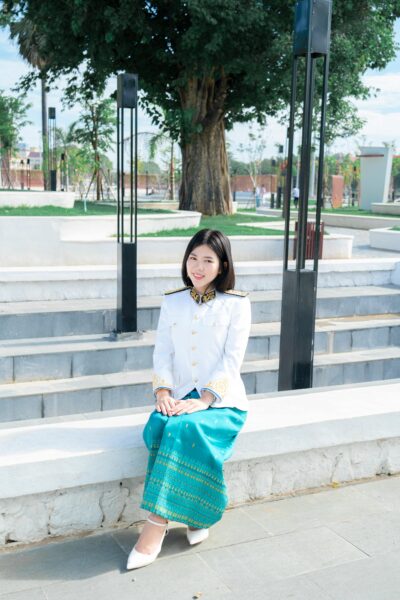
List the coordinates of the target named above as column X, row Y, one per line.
column 201, row 402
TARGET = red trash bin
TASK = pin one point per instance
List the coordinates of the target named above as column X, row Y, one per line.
column 310, row 240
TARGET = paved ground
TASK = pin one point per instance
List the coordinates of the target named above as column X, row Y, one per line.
column 337, row 544
column 361, row 247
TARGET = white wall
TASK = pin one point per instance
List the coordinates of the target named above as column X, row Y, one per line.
column 376, row 167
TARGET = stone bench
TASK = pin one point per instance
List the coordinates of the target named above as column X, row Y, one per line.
column 69, row 476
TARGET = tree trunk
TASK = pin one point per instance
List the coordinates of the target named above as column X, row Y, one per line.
column 205, row 183
column 45, row 143
column 205, row 175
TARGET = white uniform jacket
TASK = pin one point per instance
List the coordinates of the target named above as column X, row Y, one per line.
column 202, row 346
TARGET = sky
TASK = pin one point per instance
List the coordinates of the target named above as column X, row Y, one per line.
column 381, row 112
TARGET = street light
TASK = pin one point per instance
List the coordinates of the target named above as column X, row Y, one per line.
column 279, row 173
column 28, row 173
column 22, row 173
column 127, row 89
column 52, row 148
column 296, row 355
column 234, row 173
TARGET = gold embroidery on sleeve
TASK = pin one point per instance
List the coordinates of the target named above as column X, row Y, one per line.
column 160, row 382
column 219, row 385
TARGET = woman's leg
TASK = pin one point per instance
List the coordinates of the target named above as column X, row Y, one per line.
column 186, row 483
column 151, row 535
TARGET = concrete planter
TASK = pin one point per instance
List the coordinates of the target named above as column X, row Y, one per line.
column 34, row 198
column 385, row 239
column 349, row 221
column 44, row 241
column 388, row 208
column 55, row 241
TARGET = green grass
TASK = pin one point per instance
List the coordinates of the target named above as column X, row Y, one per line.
column 395, row 229
column 93, row 209
column 353, row 210
column 228, row 224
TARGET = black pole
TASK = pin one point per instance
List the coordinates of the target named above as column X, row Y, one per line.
column 21, row 166
column 52, row 148
column 127, row 86
column 136, row 174
column 122, row 167
column 118, row 175
column 288, row 189
column 311, row 42
column 28, row 173
column 321, row 158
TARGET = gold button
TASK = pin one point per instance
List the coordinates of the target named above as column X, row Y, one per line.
column 193, row 332
column 194, row 348
column 194, row 364
column 195, row 317
column 195, row 380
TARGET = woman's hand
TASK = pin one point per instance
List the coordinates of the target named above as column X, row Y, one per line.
column 193, row 405
column 165, row 403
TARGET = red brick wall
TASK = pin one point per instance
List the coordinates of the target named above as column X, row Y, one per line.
column 16, row 176
column 243, row 183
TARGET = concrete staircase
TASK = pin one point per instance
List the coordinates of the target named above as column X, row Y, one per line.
column 57, row 357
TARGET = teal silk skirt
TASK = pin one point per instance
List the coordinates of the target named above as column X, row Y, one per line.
column 184, row 479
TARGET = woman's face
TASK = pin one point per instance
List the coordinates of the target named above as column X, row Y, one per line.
column 202, row 267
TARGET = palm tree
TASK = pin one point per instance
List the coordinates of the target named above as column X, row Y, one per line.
column 31, row 43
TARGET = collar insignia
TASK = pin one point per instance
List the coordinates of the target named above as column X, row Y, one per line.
column 202, row 298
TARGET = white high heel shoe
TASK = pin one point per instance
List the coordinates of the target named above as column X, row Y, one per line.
column 196, row 536
column 138, row 559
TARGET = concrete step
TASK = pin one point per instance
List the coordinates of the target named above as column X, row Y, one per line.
column 38, row 399
column 77, row 356
column 83, row 317
column 83, row 282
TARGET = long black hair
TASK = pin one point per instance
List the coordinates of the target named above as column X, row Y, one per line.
column 220, row 244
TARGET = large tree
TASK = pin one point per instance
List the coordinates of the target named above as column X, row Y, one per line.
column 33, row 49
column 206, row 64
column 13, row 118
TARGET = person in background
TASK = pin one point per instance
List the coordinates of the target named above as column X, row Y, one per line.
column 296, row 194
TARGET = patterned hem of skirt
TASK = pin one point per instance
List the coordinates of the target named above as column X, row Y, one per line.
column 174, row 516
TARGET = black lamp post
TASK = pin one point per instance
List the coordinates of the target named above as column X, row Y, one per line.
column 127, row 88
column 311, row 42
column 280, row 177
column 21, row 166
column 52, row 148
column 62, row 170
column 28, row 173
column 354, row 186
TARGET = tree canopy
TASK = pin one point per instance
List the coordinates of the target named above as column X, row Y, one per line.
column 13, row 118
column 207, row 64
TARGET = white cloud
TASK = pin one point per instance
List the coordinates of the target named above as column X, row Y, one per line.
column 387, row 98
